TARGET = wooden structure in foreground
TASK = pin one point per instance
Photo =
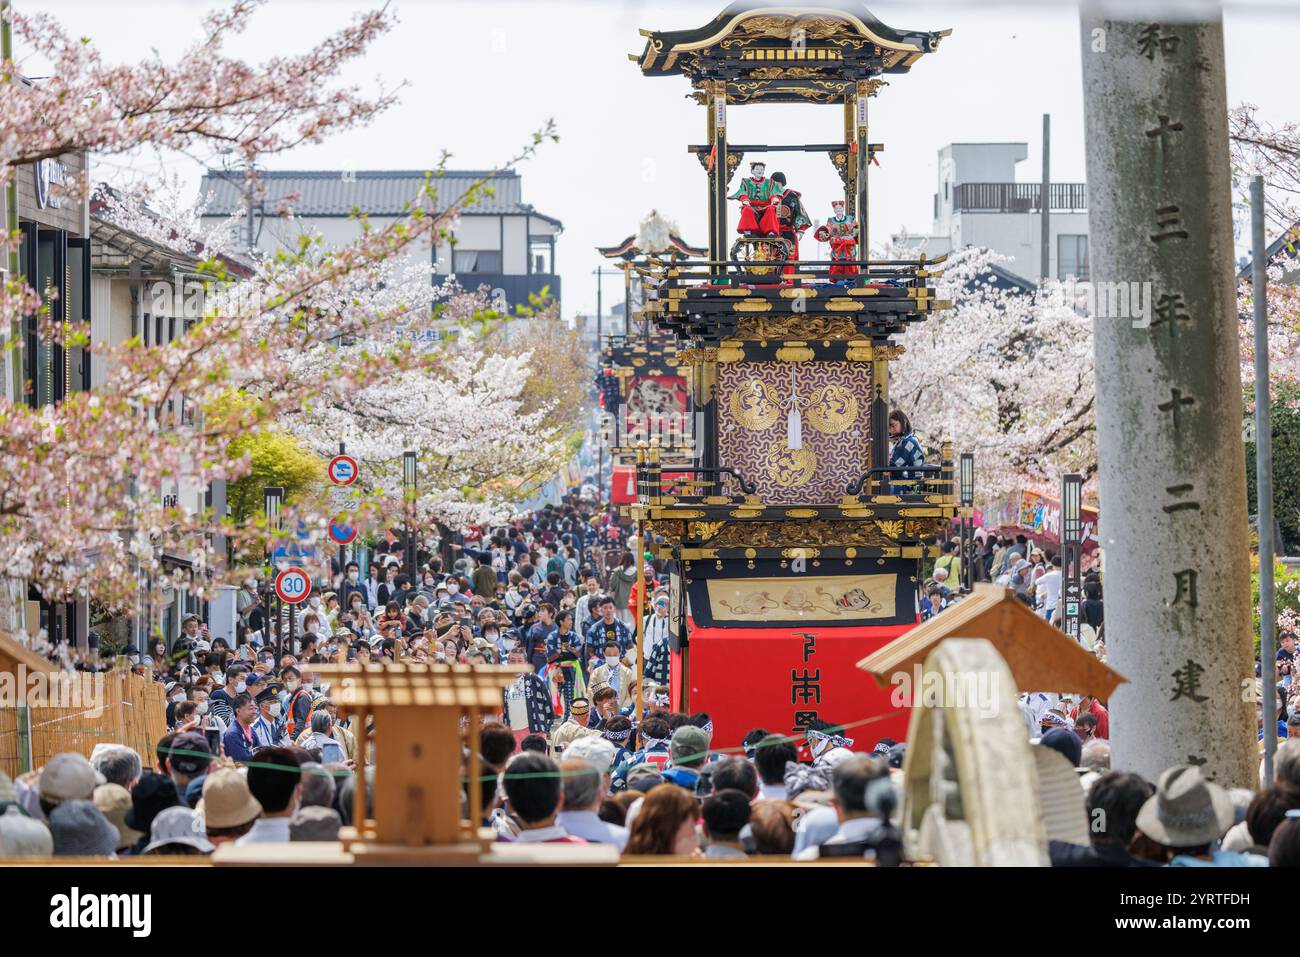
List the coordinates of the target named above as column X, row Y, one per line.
column 970, row 796
column 1040, row 657
column 53, row 710
column 417, row 711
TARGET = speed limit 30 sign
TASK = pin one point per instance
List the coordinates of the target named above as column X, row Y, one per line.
column 293, row 586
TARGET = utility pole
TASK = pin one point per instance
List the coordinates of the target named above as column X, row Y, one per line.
column 1264, row 474
column 1045, row 250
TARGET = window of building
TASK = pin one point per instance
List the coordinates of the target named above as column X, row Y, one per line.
column 476, row 261
column 1071, row 256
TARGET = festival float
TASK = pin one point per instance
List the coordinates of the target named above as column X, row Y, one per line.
column 797, row 548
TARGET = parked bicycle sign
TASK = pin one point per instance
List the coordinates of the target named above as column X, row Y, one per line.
column 293, row 586
column 343, row 470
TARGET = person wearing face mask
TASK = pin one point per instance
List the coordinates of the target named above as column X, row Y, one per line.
column 370, row 587
column 615, row 674
column 223, row 698
column 298, row 705
column 269, row 728
column 456, row 591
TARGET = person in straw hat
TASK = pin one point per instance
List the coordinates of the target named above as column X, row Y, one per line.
column 1187, row 816
column 228, row 806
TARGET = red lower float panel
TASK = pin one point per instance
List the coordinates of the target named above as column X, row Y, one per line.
column 780, row 680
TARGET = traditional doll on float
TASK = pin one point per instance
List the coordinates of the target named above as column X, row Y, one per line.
column 842, row 233
column 757, row 196
column 791, row 219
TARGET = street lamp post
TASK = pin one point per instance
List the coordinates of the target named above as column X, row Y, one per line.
column 967, row 475
column 410, row 474
column 272, row 501
column 1071, row 553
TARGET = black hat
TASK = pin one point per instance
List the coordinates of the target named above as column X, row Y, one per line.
column 272, row 693
column 190, row 753
column 151, row 794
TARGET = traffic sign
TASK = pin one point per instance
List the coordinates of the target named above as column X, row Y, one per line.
column 343, row 534
column 341, row 500
column 293, row 586
column 343, row 470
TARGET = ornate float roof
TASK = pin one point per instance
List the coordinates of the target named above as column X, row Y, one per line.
column 629, row 249
column 811, row 52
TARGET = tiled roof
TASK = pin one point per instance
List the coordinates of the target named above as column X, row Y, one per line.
column 373, row 192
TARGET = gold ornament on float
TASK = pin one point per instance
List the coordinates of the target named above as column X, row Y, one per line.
column 753, row 406
column 790, row 468
column 832, row 409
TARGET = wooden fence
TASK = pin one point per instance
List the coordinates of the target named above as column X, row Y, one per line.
column 112, row 707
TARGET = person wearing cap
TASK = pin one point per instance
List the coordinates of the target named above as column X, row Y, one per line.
column 572, row 727
column 269, row 728
column 188, row 763
column 688, row 751
column 228, row 806
column 177, row 830
column 1186, row 817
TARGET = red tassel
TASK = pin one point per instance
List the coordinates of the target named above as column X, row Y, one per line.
column 713, row 158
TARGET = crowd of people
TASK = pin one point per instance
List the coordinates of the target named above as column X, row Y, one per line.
column 257, row 752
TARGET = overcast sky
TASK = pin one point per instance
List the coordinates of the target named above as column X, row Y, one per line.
column 481, row 75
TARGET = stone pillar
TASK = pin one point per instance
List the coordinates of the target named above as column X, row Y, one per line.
column 1169, row 402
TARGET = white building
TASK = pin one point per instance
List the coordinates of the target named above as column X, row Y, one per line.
column 500, row 240
column 980, row 203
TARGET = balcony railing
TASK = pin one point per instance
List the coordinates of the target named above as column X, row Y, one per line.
column 1019, row 197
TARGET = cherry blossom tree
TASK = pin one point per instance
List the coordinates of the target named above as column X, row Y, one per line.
column 1005, row 374
column 81, row 508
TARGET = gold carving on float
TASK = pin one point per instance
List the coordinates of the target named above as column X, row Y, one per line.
column 790, row 468
column 859, row 353
column 731, row 354
column 847, row 597
column 827, row 533
column 799, row 293
column 800, row 552
column 752, row 305
column 801, row 513
column 894, row 529
column 753, row 405
column 796, row 327
column 794, row 352
column 842, row 304
column 703, row 530
column 745, row 512
column 692, row 356
column 832, row 409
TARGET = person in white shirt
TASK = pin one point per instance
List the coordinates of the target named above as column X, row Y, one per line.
column 275, row 779
column 656, row 623
column 1047, row 591
column 584, row 611
column 584, row 788
column 851, row 782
